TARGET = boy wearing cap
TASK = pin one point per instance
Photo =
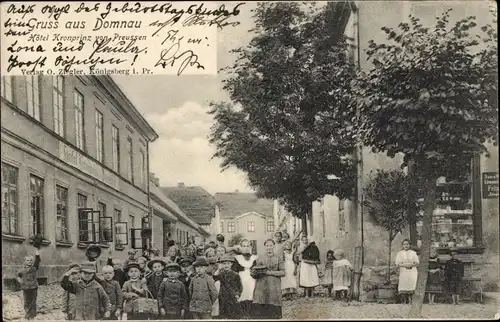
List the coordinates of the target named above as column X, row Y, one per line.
column 202, row 291
column 29, row 283
column 131, row 257
column 134, row 288
column 230, row 290
column 172, row 295
column 153, row 280
column 68, row 306
column 91, row 299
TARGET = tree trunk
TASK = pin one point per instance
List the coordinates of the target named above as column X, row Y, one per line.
column 423, row 268
column 304, row 224
column 412, row 211
column 389, row 264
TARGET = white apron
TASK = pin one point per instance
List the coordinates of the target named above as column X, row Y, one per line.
column 407, row 277
column 308, row 275
column 247, row 280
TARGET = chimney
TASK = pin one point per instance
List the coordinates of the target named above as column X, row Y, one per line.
column 180, row 185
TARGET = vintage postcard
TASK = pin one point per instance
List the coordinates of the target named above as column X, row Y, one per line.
column 245, row 160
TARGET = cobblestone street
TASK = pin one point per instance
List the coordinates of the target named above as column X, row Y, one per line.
column 49, row 303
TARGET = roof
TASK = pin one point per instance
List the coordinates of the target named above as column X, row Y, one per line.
column 196, row 202
column 234, row 204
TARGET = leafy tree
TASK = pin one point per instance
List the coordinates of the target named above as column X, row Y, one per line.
column 432, row 96
column 387, row 202
column 288, row 125
column 235, row 240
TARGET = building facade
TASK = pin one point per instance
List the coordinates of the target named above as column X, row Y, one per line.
column 75, row 164
column 248, row 215
column 469, row 223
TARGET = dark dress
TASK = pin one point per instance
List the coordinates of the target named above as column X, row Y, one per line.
column 230, row 287
column 453, row 272
column 434, row 284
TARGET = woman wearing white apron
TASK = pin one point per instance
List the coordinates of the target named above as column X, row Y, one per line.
column 244, row 262
column 308, row 276
column 407, row 261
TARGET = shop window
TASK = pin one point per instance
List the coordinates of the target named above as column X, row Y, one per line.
column 88, row 225
column 10, row 204
column 231, row 228
column 456, row 221
column 7, row 88
column 37, row 205
column 105, row 224
column 250, row 226
column 270, row 226
column 33, row 96
column 61, row 214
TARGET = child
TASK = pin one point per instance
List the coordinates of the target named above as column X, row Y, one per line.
column 68, row 306
column 289, row 282
column 145, row 271
column 220, row 251
column 230, row 290
column 153, row 280
column 454, row 272
column 434, row 277
column 172, row 295
column 29, row 284
column 91, row 299
column 185, row 277
column 202, row 290
column 342, row 270
column 131, row 257
column 212, row 270
column 120, row 276
column 327, row 279
column 133, row 289
column 242, row 266
column 114, row 291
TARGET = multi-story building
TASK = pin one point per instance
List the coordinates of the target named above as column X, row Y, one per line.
column 75, row 164
column 246, row 214
column 473, row 227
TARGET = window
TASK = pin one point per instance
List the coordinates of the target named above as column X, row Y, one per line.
column 251, row 226
column 37, row 205
column 116, row 148
column 7, row 88
column 142, row 169
column 131, row 220
column 341, row 216
column 10, row 205
column 61, row 214
column 231, row 227
column 83, row 225
column 222, row 226
column 58, row 99
column 121, row 230
column 270, row 226
column 88, row 223
column 79, row 121
column 105, row 224
column 33, row 96
column 99, row 134
column 454, row 218
column 130, row 168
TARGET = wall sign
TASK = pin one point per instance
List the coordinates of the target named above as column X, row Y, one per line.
column 490, row 185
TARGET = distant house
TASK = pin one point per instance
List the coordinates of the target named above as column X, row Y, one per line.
column 246, row 214
column 196, row 202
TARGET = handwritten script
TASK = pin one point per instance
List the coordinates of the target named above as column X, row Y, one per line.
column 53, row 38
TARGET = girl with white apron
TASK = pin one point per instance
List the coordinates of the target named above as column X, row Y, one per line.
column 242, row 265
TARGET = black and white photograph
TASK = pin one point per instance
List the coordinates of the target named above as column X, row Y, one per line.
column 328, row 160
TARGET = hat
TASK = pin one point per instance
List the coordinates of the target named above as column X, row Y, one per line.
column 88, row 267
column 93, row 248
column 184, row 260
column 73, row 265
column 172, row 266
column 156, row 260
column 131, row 252
column 226, row 258
column 132, row 264
column 220, row 237
column 201, row 261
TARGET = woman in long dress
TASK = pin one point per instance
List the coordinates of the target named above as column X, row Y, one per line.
column 267, row 299
column 434, row 284
column 407, row 261
column 309, row 277
column 243, row 264
column 289, row 282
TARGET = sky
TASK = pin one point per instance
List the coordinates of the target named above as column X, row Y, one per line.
column 176, row 107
